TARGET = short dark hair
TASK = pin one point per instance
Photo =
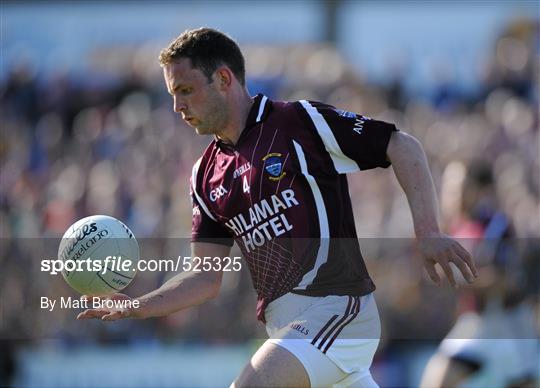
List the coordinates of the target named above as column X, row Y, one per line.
column 208, row 49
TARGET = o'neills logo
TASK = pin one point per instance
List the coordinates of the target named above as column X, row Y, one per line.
column 299, row 328
column 81, row 234
column 241, row 170
column 84, row 247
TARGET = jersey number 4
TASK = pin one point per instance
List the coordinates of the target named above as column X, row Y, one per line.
column 246, row 185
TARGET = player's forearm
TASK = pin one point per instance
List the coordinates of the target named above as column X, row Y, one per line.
column 180, row 292
column 186, row 289
column 411, row 168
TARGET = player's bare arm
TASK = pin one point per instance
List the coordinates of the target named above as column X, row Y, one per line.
column 184, row 290
column 410, row 166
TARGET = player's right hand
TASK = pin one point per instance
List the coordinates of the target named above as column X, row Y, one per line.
column 106, row 313
column 442, row 250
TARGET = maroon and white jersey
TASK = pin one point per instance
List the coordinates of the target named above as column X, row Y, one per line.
column 281, row 193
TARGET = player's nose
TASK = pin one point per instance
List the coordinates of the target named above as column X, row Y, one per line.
column 179, row 105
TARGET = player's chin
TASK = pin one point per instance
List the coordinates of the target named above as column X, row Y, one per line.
column 191, row 122
column 202, row 130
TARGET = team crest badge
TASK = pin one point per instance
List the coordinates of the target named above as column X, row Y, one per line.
column 274, row 166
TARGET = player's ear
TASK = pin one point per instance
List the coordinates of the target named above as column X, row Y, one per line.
column 223, row 77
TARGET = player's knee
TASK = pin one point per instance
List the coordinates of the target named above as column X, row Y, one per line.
column 273, row 366
column 249, row 378
column 262, row 379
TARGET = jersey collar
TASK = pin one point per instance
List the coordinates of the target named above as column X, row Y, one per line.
column 259, row 110
column 257, row 114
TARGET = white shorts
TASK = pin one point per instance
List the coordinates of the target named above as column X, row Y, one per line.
column 334, row 337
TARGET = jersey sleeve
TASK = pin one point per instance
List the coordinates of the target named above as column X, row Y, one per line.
column 204, row 226
column 354, row 142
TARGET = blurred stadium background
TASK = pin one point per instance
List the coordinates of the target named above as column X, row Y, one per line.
column 88, row 128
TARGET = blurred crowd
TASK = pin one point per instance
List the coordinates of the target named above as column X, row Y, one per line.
column 108, row 142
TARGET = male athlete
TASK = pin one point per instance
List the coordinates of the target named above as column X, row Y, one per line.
column 273, row 180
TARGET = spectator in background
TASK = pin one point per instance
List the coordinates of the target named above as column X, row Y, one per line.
column 493, row 343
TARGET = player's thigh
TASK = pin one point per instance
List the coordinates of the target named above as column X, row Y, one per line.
column 273, row 366
column 321, row 370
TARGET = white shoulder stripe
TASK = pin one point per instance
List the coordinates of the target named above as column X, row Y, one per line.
column 342, row 163
column 261, row 108
column 194, row 172
column 322, row 254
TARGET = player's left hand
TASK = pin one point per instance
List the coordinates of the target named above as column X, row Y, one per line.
column 107, row 314
column 442, row 249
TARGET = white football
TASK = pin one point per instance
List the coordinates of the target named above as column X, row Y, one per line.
column 95, row 252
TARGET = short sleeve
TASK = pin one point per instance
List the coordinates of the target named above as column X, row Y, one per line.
column 204, row 226
column 354, row 142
